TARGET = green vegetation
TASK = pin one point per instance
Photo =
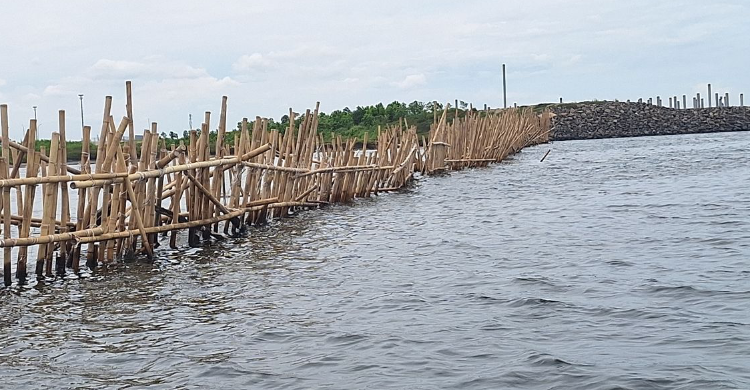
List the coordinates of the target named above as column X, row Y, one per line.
column 345, row 122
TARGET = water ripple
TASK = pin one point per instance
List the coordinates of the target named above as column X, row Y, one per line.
column 615, row 264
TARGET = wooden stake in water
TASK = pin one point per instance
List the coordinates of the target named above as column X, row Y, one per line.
column 31, row 169
column 49, row 204
column 6, row 221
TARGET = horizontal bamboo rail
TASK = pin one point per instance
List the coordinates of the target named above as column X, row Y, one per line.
column 117, row 206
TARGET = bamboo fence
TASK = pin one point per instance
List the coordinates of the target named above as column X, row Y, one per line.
column 116, row 206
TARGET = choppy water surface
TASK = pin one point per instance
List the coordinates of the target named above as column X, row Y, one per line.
column 614, row 264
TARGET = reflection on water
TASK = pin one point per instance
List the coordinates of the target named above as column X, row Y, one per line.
column 613, row 263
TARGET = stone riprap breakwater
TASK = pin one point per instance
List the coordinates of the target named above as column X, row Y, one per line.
column 592, row 120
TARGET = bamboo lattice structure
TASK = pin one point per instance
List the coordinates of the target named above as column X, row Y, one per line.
column 116, row 206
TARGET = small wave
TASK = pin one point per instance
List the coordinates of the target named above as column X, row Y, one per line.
column 678, row 291
column 535, row 302
column 534, row 280
column 545, row 360
column 619, row 263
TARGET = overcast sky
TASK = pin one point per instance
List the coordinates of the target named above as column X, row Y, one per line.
column 182, row 56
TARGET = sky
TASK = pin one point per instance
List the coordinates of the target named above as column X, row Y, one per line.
column 269, row 56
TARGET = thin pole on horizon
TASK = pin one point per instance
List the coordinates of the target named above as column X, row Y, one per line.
column 684, row 101
column 742, row 100
column 709, row 97
column 80, row 96
column 505, row 90
column 34, row 107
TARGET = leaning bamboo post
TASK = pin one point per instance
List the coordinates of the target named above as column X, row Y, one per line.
column 15, row 154
column 44, row 261
column 21, row 154
column 114, row 145
column 94, row 192
column 134, row 211
column 31, row 167
column 6, row 210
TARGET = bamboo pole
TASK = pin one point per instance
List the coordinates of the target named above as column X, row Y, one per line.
column 44, row 261
column 64, row 195
column 31, row 169
column 131, row 122
column 176, row 201
column 85, row 168
column 24, row 242
column 138, row 219
column 101, row 152
column 139, row 176
column 6, row 213
column 5, row 130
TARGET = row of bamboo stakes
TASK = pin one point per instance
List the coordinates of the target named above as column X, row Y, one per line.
column 117, row 206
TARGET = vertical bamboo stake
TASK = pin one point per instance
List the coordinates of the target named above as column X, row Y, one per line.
column 5, row 130
column 85, row 168
column 49, row 204
column 6, row 192
column 65, row 197
column 131, row 129
column 218, row 177
column 114, row 215
column 150, row 205
column 176, row 200
column 120, row 244
column 6, row 214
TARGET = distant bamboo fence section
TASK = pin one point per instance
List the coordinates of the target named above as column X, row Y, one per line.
column 116, row 206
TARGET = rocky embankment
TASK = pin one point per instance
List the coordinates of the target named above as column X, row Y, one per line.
column 617, row 119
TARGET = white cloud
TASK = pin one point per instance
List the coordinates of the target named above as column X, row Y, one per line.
column 183, row 59
column 151, row 67
column 255, row 61
column 411, row 81
column 572, row 60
